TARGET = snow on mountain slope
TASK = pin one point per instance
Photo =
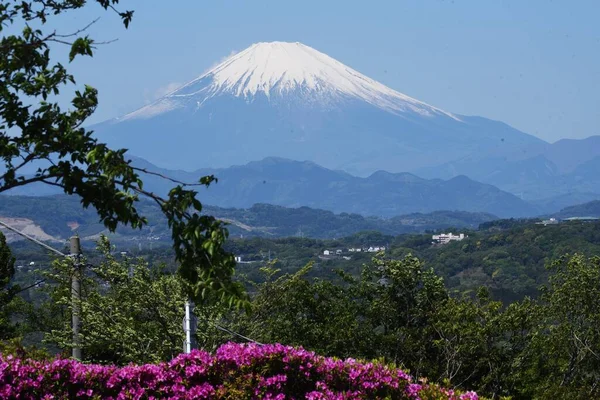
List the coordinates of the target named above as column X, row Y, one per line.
column 280, row 68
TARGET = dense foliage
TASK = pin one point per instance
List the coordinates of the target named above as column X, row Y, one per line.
column 38, row 133
column 507, row 257
column 510, row 262
column 233, row 372
column 400, row 312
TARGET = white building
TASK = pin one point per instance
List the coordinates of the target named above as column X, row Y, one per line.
column 375, row 249
column 444, row 238
column 328, row 253
column 551, row 221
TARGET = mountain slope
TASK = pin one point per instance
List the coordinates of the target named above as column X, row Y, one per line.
column 590, row 209
column 289, row 100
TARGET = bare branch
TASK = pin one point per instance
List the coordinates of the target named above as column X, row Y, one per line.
column 145, row 171
column 85, row 28
column 114, row 9
column 52, row 39
column 585, row 345
column 104, row 42
column 159, row 200
column 93, row 46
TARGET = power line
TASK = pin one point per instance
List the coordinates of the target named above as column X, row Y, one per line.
column 75, row 283
column 44, row 245
column 30, row 286
column 234, row 333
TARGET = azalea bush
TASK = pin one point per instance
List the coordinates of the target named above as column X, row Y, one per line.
column 235, row 371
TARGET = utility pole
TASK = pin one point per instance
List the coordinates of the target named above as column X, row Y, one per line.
column 188, row 327
column 76, row 296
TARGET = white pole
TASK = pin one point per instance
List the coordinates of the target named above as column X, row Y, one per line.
column 187, row 328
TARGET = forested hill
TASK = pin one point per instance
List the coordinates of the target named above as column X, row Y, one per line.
column 590, row 209
column 512, row 262
column 276, row 221
column 62, row 216
column 508, row 257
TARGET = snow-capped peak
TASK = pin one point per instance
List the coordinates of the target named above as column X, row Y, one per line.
column 277, row 68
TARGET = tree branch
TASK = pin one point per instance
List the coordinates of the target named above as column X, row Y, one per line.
column 24, row 182
column 145, row 171
column 30, row 157
column 85, row 28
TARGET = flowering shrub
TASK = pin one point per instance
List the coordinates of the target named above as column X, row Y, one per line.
column 236, row 371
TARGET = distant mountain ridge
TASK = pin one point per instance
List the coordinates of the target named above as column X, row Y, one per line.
column 545, row 173
column 290, row 183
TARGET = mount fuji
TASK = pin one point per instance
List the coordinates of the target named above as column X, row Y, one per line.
column 290, row 100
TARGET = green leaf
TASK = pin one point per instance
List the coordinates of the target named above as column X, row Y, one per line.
column 81, row 46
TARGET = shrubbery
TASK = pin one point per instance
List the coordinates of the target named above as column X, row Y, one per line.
column 235, row 371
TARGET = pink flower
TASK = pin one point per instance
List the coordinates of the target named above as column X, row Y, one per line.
column 272, row 371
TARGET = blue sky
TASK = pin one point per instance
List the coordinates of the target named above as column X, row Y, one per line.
column 533, row 64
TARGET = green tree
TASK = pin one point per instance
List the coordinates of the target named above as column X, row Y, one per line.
column 314, row 313
column 130, row 312
column 480, row 344
column 401, row 298
column 564, row 357
column 7, row 270
column 386, row 313
column 35, row 131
